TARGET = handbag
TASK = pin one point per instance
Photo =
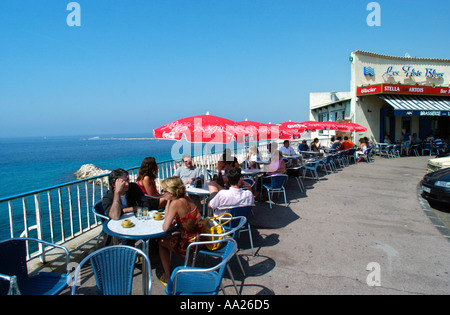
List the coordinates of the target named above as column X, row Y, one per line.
column 214, row 225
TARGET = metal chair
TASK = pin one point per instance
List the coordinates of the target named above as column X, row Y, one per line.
column 276, row 185
column 295, row 172
column 368, row 155
column 113, row 267
column 439, row 147
column 234, row 231
column 351, row 154
column 99, row 212
column 187, row 280
column 426, row 147
column 327, row 161
column 243, row 212
column 415, row 149
column 250, row 181
column 14, row 271
column 337, row 157
column 395, row 150
column 312, row 167
column 386, row 150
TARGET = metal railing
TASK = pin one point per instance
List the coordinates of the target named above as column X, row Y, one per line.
column 60, row 213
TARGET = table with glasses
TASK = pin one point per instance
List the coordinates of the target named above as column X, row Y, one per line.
column 144, row 228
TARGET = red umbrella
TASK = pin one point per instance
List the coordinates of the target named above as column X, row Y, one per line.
column 260, row 131
column 203, row 128
column 352, row 127
column 312, row 125
column 292, row 130
column 252, row 129
column 296, row 127
column 330, row 125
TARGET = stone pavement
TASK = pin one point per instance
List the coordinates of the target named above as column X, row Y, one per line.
column 366, row 216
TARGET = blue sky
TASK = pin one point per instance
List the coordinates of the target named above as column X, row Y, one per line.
column 135, row 65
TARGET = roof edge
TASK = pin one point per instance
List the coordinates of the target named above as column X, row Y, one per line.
column 371, row 54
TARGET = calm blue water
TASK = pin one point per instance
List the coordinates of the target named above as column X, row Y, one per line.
column 27, row 164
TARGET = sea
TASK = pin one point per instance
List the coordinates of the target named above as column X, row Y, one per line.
column 35, row 163
column 28, row 164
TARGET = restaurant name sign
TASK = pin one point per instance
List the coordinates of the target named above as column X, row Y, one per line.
column 402, row 89
column 410, row 71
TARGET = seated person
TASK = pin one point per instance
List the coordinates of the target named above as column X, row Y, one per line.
column 337, row 144
column 146, row 180
column 347, row 144
column 124, row 197
column 277, row 164
column 437, row 141
column 415, row 139
column 387, row 139
column 253, row 156
column 363, row 148
column 303, row 146
column 315, row 145
column 180, row 211
column 228, row 159
column 286, row 149
column 188, row 172
column 220, row 181
column 233, row 197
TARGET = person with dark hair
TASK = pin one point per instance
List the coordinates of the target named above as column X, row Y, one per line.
column 233, row 197
column 286, row 149
column 337, row 144
column 347, row 144
column 148, row 172
column 123, row 196
column 406, row 140
column 303, row 146
column 315, row 145
column 220, row 181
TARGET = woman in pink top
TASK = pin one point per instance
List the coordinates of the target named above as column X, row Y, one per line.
column 277, row 164
column 146, row 180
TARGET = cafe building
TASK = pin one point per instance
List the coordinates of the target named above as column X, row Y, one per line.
column 389, row 93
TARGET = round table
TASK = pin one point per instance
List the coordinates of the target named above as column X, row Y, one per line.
column 202, row 192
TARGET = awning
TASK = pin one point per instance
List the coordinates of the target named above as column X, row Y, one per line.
column 418, row 105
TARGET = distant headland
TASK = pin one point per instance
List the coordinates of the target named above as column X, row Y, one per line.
column 118, row 139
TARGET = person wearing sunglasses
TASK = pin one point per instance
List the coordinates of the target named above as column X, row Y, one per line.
column 188, row 172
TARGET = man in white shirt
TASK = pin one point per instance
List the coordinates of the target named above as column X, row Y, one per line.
column 233, row 197
column 286, row 149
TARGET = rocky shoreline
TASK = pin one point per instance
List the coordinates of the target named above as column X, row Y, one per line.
column 90, row 170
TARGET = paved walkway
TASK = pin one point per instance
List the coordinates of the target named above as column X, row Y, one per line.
column 323, row 242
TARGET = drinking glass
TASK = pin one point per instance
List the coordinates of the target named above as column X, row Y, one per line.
column 139, row 213
column 145, row 213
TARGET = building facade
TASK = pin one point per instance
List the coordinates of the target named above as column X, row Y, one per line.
column 389, row 93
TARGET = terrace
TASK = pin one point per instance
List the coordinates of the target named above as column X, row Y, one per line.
column 324, row 241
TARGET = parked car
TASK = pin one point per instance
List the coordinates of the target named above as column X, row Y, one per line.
column 443, row 153
column 436, row 186
column 437, row 164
